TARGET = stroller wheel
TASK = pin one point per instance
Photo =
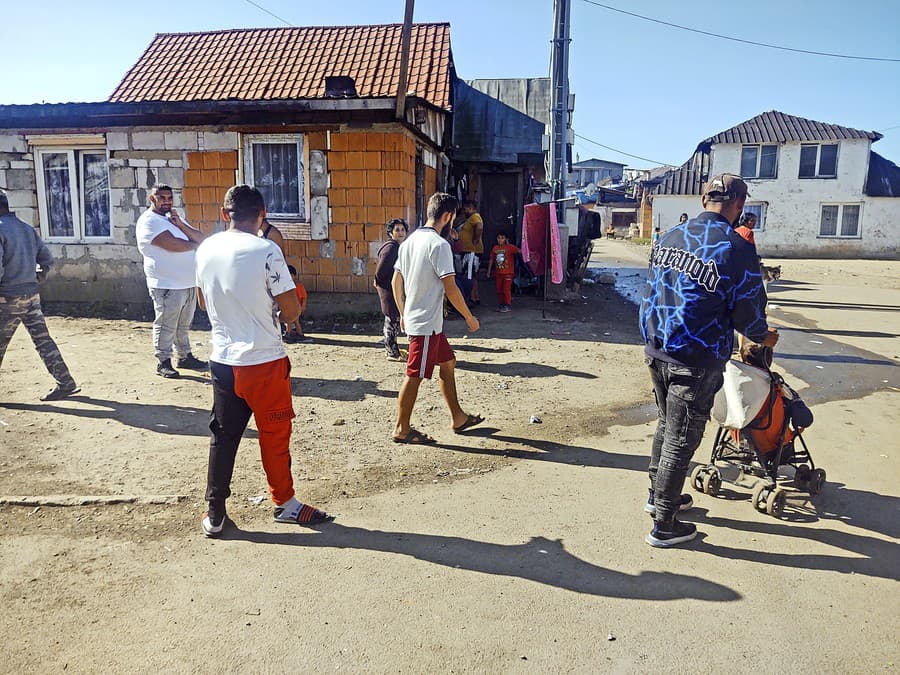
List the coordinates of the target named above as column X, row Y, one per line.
column 801, row 477
column 816, row 481
column 775, row 503
column 758, row 498
column 711, row 481
column 697, row 477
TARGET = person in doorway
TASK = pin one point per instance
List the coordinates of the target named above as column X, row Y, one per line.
column 384, row 274
column 472, row 247
column 704, row 284
column 503, row 263
column 423, row 273
column 168, row 243
column 22, row 253
column 245, row 287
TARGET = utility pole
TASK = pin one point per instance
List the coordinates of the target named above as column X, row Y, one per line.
column 403, row 80
column 559, row 99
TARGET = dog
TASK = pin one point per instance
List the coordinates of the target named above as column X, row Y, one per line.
column 770, row 273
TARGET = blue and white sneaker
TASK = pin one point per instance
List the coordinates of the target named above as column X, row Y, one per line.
column 672, row 534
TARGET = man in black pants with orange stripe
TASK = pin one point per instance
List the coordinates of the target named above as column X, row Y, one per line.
column 247, row 291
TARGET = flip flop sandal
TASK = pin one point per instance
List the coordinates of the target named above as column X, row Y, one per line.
column 308, row 515
column 470, row 422
column 415, row 437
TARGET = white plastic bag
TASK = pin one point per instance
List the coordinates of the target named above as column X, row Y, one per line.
column 744, row 392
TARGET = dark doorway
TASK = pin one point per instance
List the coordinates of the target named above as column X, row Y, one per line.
column 622, row 221
column 499, row 206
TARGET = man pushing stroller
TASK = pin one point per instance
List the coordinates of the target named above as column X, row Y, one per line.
column 704, row 284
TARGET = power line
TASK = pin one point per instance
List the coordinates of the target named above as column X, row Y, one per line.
column 287, row 23
column 896, row 126
column 736, row 39
column 621, row 152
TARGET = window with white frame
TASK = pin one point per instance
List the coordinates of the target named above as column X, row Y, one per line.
column 840, row 220
column 818, row 160
column 758, row 209
column 275, row 165
column 759, row 161
column 73, row 193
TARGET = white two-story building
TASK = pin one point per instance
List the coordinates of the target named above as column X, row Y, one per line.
column 817, row 189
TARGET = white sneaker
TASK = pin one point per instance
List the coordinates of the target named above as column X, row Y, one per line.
column 211, row 529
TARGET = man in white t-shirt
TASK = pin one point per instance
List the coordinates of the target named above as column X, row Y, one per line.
column 245, row 287
column 168, row 243
column 423, row 274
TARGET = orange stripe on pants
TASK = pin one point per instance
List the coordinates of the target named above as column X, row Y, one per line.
column 266, row 388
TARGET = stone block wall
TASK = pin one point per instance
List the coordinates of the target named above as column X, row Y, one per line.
column 371, row 180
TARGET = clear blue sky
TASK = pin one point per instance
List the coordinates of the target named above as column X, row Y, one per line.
column 647, row 89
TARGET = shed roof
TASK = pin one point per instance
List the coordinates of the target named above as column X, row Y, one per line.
column 779, row 127
column 687, row 179
column 264, row 64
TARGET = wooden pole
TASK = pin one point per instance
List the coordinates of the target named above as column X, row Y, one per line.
column 403, row 82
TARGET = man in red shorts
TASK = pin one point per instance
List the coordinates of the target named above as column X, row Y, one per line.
column 246, row 289
column 423, row 274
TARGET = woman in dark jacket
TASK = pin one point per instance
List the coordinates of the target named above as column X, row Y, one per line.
column 384, row 272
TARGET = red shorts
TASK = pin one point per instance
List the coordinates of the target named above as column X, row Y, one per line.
column 425, row 351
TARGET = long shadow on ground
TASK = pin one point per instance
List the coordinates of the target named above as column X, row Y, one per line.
column 543, row 560
column 549, row 451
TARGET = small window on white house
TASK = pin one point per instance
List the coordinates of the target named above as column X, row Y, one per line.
column 818, row 161
column 73, row 194
column 759, row 161
column 759, row 210
column 275, row 165
column 840, row 220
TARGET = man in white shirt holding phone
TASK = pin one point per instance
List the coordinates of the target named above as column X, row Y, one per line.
column 168, row 243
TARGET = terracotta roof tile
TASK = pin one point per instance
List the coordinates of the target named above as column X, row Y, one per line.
column 288, row 63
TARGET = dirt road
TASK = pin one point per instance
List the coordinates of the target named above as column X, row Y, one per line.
column 518, row 548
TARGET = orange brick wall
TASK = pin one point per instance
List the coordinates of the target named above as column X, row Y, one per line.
column 206, row 179
column 372, row 180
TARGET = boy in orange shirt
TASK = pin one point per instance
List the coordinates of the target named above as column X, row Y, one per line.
column 503, row 260
column 293, row 332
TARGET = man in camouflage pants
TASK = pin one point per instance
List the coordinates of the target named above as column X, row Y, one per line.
column 21, row 251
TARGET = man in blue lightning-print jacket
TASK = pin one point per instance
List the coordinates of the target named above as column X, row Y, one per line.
column 704, row 284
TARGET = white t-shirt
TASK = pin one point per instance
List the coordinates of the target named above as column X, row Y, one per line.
column 239, row 275
column 164, row 269
column 424, row 259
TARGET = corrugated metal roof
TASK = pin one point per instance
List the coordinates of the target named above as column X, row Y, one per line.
column 289, row 63
column 778, row 127
column 884, row 177
column 687, row 179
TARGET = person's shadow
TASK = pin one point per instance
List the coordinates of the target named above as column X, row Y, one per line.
column 548, row 451
column 337, row 390
column 542, row 560
column 176, row 420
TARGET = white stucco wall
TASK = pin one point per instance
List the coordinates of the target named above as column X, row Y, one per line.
column 668, row 208
column 794, row 205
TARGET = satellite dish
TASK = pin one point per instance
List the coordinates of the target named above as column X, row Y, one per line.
column 590, row 189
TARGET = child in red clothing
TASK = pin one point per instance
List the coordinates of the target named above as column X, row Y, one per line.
column 294, row 332
column 503, row 261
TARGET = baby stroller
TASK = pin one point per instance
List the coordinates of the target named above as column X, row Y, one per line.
column 524, row 281
column 761, row 420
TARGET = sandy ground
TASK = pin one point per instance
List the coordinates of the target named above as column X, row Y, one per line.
column 518, row 548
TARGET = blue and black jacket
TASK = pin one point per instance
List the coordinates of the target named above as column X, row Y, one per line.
column 704, row 284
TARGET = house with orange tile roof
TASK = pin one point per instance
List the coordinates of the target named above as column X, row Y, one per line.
column 316, row 117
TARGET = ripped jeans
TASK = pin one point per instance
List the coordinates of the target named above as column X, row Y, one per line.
column 684, row 397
